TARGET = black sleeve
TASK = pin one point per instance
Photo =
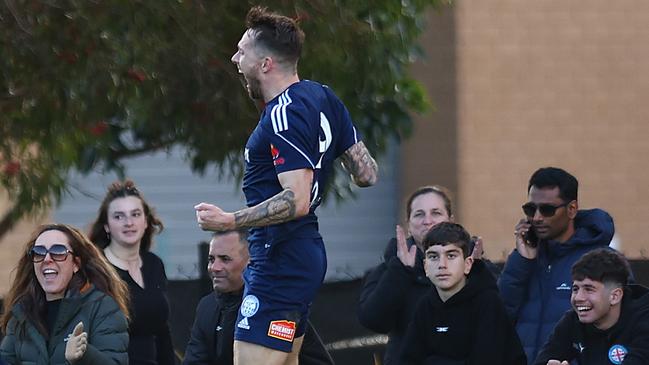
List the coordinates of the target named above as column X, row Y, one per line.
column 638, row 346
column 197, row 351
column 164, row 345
column 313, row 351
column 384, row 294
column 414, row 350
column 496, row 341
column 559, row 345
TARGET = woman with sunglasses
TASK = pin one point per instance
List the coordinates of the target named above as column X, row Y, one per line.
column 124, row 229
column 65, row 305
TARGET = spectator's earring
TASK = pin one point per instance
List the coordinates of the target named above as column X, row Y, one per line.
column 108, row 236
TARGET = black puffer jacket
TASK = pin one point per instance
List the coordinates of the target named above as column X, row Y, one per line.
column 101, row 317
column 389, row 296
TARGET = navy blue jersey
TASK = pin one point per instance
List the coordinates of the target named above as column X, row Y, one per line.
column 305, row 127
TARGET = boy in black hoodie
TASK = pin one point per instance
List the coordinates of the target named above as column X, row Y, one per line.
column 609, row 320
column 462, row 320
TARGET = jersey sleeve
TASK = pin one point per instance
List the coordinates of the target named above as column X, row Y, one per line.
column 293, row 137
column 347, row 133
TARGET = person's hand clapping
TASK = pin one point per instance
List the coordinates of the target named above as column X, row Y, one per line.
column 77, row 344
column 407, row 256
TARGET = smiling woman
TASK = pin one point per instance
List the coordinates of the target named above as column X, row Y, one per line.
column 124, row 229
column 67, row 298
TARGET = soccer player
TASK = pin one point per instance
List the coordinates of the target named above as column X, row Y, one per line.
column 303, row 129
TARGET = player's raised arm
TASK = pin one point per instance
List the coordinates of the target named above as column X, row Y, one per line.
column 289, row 204
column 358, row 161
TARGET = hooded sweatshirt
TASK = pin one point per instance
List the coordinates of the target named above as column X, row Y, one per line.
column 627, row 340
column 470, row 328
column 536, row 292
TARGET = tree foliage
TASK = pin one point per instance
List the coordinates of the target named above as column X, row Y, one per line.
column 86, row 83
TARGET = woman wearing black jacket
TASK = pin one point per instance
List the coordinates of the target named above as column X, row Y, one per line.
column 124, row 229
column 392, row 289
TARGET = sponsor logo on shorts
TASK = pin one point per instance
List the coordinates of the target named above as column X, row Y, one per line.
column 283, row 330
column 249, row 305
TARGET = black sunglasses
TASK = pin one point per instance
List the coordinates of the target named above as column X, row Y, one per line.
column 546, row 210
column 58, row 252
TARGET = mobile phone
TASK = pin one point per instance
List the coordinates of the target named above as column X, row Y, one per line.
column 530, row 237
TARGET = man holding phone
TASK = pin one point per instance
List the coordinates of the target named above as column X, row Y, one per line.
column 536, row 282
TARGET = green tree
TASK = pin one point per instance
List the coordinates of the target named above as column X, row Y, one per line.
column 85, row 83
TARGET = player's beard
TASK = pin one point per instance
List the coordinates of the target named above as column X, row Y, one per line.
column 254, row 88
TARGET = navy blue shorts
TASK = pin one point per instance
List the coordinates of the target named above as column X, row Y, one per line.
column 279, row 290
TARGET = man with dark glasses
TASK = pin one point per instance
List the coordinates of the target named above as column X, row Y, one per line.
column 536, row 281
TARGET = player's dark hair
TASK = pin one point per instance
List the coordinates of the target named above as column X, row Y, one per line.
column 277, row 33
column 604, row 265
column 551, row 177
column 443, row 193
column 448, row 233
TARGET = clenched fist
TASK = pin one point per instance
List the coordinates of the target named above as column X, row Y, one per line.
column 77, row 344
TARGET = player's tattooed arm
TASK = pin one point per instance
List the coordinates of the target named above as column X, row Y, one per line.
column 358, row 161
column 290, row 203
column 279, row 208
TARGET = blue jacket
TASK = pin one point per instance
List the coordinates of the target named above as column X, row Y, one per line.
column 536, row 292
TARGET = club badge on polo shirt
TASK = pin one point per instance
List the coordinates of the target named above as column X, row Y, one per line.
column 282, row 330
column 617, row 353
column 249, row 306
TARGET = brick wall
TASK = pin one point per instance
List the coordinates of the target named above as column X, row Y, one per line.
column 538, row 83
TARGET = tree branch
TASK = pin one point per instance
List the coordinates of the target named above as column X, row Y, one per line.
column 12, row 9
column 117, row 155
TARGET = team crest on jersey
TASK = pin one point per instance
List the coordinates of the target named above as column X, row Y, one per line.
column 277, row 160
column 617, row 353
column 249, row 306
column 282, row 330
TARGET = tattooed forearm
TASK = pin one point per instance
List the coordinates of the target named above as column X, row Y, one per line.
column 278, row 209
column 360, row 164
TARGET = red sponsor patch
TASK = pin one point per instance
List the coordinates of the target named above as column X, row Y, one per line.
column 274, row 151
column 283, row 330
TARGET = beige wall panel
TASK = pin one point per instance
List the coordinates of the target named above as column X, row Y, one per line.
column 11, row 245
column 552, row 83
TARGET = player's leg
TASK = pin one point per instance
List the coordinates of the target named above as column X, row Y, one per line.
column 246, row 353
column 293, row 356
column 250, row 353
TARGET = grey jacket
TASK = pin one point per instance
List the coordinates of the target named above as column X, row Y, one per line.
column 106, row 326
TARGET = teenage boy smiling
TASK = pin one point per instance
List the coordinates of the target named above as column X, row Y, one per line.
column 609, row 320
column 462, row 320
